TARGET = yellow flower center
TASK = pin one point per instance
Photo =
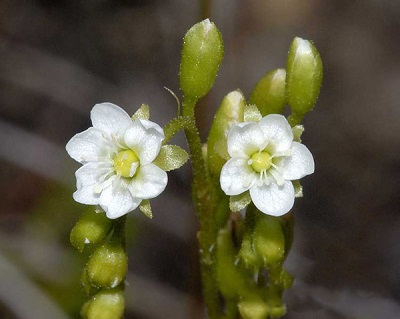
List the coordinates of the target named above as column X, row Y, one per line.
column 261, row 161
column 123, row 163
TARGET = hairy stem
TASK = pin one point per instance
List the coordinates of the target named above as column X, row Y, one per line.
column 205, row 200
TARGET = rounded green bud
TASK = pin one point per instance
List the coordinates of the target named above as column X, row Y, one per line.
column 107, row 304
column 269, row 93
column 253, row 309
column 303, row 76
column 107, row 266
column 232, row 279
column 91, row 228
column 231, row 111
column 269, row 240
column 202, row 54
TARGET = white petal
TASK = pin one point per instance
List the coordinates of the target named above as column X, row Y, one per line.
column 237, row 176
column 91, row 178
column 149, row 124
column 299, row 164
column 149, row 182
column 272, row 199
column 110, row 118
column 244, row 139
column 145, row 142
column 277, row 131
column 116, row 200
column 87, row 146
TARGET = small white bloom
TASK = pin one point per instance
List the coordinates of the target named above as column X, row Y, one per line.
column 264, row 160
column 117, row 156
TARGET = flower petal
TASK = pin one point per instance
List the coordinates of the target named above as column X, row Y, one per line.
column 244, row 139
column 145, row 139
column 299, row 164
column 110, row 118
column 91, row 178
column 277, row 131
column 272, row 199
column 88, row 146
column 237, row 176
column 149, row 182
column 116, row 200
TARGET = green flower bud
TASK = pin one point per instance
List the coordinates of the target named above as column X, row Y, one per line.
column 231, row 111
column 107, row 266
column 253, row 309
column 231, row 279
column 269, row 93
column 269, row 240
column 303, row 76
column 107, row 304
column 91, row 228
column 202, row 54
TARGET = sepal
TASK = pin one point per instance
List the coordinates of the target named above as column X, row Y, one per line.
column 171, row 157
column 239, row 202
column 145, row 208
column 143, row 113
column 251, row 113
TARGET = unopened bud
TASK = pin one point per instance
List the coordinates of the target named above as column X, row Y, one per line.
column 303, row 76
column 202, row 54
column 269, row 93
column 107, row 304
column 107, row 266
column 230, row 112
column 253, row 309
column 91, row 228
column 269, row 240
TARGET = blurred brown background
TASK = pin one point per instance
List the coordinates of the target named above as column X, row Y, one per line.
column 59, row 58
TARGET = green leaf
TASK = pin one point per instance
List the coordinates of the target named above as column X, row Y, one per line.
column 143, row 113
column 239, row 202
column 171, row 157
column 252, row 114
column 145, row 208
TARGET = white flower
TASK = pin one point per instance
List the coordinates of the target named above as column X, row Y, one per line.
column 264, row 159
column 117, row 155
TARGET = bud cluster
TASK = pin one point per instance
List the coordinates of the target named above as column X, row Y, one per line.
column 104, row 274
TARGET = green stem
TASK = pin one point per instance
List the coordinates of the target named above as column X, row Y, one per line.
column 205, row 199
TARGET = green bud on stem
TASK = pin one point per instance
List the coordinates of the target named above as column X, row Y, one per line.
column 269, row 240
column 231, row 279
column 269, row 93
column 253, row 309
column 303, row 76
column 202, row 54
column 107, row 304
column 107, row 266
column 231, row 111
column 91, row 228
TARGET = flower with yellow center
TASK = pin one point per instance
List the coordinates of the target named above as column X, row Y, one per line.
column 264, row 160
column 117, row 156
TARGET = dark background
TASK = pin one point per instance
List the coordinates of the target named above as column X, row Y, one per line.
column 59, row 58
